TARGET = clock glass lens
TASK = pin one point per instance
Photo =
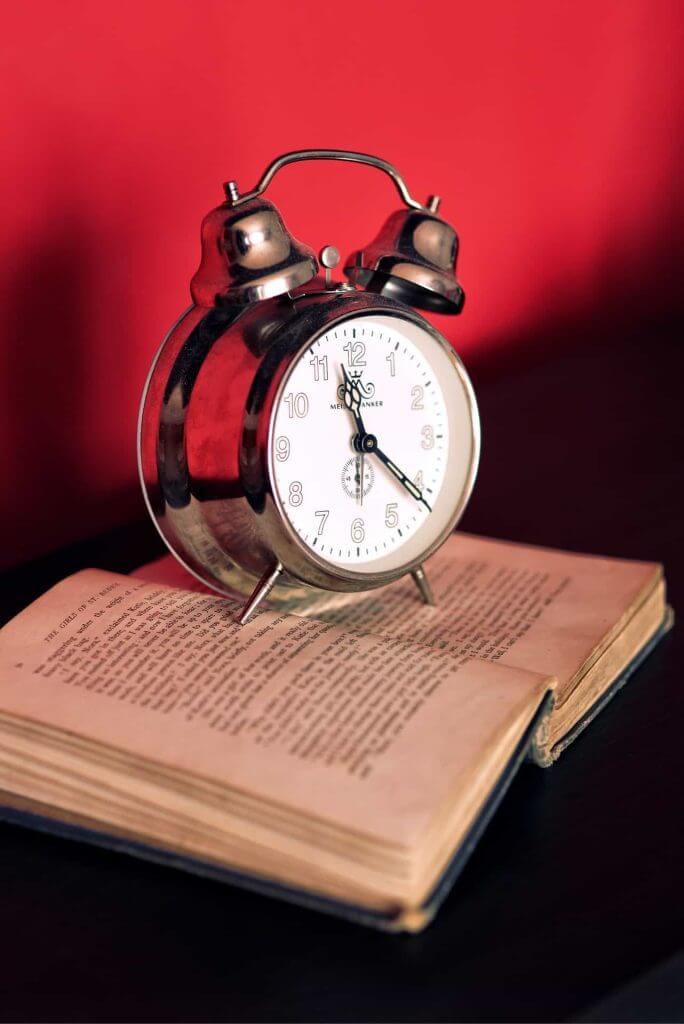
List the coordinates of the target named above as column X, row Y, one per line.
column 373, row 443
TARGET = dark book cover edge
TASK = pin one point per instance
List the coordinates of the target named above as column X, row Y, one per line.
column 398, row 920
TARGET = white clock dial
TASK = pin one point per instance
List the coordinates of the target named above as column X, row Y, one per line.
column 372, row 444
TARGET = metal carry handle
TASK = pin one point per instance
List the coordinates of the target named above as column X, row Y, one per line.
column 343, row 155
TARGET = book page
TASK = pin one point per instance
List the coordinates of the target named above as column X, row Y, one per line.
column 372, row 734
column 534, row 608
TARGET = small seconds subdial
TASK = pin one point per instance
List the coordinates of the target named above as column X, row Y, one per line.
column 358, row 477
column 360, row 443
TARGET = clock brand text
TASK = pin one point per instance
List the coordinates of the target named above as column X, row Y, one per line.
column 364, row 404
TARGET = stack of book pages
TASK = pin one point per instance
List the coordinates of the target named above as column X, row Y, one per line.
column 348, row 757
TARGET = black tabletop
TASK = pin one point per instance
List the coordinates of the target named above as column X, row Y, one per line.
column 571, row 906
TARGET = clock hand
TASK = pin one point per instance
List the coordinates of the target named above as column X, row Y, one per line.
column 352, row 399
column 351, row 396
column 365, row 442
column 401, row 477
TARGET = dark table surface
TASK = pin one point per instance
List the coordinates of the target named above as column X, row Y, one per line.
column 571, row 906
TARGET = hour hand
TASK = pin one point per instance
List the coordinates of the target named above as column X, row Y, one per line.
column 350, row 394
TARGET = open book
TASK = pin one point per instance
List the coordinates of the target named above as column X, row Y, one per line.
column 350, row 757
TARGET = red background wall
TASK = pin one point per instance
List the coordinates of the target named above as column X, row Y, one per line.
column 551, row 129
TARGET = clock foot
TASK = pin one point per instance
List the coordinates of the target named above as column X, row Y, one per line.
column 260, row 592
column 423, row 585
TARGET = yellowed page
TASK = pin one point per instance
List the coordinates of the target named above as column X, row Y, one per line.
column 534, row 608
column 371, row 734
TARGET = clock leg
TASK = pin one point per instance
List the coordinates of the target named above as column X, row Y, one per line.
column 423, row 585
column 260, row 592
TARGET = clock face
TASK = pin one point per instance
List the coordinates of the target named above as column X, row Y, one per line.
column 373, row 443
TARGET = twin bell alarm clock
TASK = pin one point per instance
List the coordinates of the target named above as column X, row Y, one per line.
column 298, row 432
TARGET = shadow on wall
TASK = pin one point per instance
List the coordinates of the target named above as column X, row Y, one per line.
column 46, row 368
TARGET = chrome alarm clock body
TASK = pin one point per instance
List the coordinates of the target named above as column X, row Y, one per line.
column 297, row 433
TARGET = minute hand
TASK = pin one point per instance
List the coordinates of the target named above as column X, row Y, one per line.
column 401, row 477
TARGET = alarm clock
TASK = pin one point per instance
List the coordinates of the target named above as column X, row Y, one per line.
column 299, row 434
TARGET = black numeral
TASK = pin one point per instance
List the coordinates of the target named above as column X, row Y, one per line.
column 358, row 531
column 297, row 405
column 391, row 515
column 428, row 436
column 320, row 366
column 355, row 350
column 282, row 448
